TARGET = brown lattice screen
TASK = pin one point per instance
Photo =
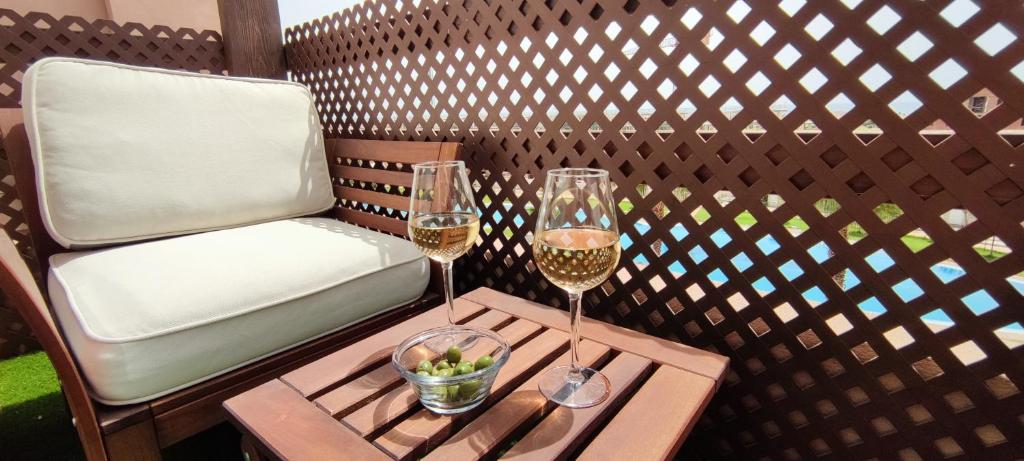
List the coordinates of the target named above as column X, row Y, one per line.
column 829, row 192
column 26, row 39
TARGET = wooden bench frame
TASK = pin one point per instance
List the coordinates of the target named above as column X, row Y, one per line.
column 140, row 431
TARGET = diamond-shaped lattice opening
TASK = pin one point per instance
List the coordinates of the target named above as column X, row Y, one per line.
column 737, row 302
column 905, row 104
column 697, row 254
column 937, row 320
column 875, row 77
column 625, row 206
column 864, row 353
column 745, row 220
column 867, row 132
column 706, row 131
column 968, row 352
column 818, row 27
column 839, row 324
column 660, row 210
column 643, row 190
column 958, row 12
column 888, row 212
column 840, row 105
column 919, row 414
column 883, row 427
column 795, row 225
column 730, row 108
column 785, row 312
column 807, row 131
column 809, row 339
column 801, row 179
column 992, row 248
column 700, row 214
column 899, row 337
column 914, row 46
column 791, row 270
column 916, row 240
column 947, row 74
column 1009, row 335
column 979, row 302
column 1001, row 387
column 787, row 55
column 891, row 383
column 827, row 207
column 813, row 80
column 782, row 106
column 927, row 368
column 734, row 61
column 762, row 33
column 626, row 168
column 883, row 20
column 853, row 232
column 990, row 435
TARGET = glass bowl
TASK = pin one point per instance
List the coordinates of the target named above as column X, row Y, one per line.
column 457, row 393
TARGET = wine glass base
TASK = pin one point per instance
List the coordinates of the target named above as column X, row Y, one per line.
column 558, row 386
column 441, row 343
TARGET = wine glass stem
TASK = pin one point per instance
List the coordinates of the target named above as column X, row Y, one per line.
column 575, row 374
column 449, row 291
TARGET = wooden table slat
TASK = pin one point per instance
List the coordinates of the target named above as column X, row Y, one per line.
column 380, row 411
column 563, row 429
column 420, row 432
column 335, row 367
column 672, row 398
column 385, row 376
column 525, row 404
column 658, row 350
column 286, row 423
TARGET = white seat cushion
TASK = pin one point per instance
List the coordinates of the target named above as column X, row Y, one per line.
column 150, row 318
column 126, row 153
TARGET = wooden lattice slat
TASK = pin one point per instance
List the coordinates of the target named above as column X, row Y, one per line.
column 779, row 164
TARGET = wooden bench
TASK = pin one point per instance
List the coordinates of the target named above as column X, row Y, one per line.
column 352, row 404
column 139, row 431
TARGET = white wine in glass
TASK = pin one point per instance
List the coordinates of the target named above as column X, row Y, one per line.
column 576, row 246
column 443, row 223
column 444, row 237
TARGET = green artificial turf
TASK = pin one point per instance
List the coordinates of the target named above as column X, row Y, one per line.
column 34, row 420
column 35, row 424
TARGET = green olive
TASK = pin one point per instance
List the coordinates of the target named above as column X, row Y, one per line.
column 454, row 354
column 442, row 365
column 444, row 372
column 423, row 373
column 468, row 389
column 484, row 361
column 425, row 365
column 464, row 368
column 453, row 392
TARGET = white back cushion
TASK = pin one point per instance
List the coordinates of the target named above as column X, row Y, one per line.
column 126, row 153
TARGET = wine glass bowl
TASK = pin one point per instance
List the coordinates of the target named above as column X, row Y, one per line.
column 576, row 247
column 443, row 224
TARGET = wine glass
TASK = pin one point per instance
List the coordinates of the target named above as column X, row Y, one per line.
column 576, row 246
column 443, row 224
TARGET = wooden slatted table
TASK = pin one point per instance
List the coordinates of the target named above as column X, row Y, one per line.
column 351, row 404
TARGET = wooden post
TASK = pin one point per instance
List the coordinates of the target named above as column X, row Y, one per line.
column 252, row 38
